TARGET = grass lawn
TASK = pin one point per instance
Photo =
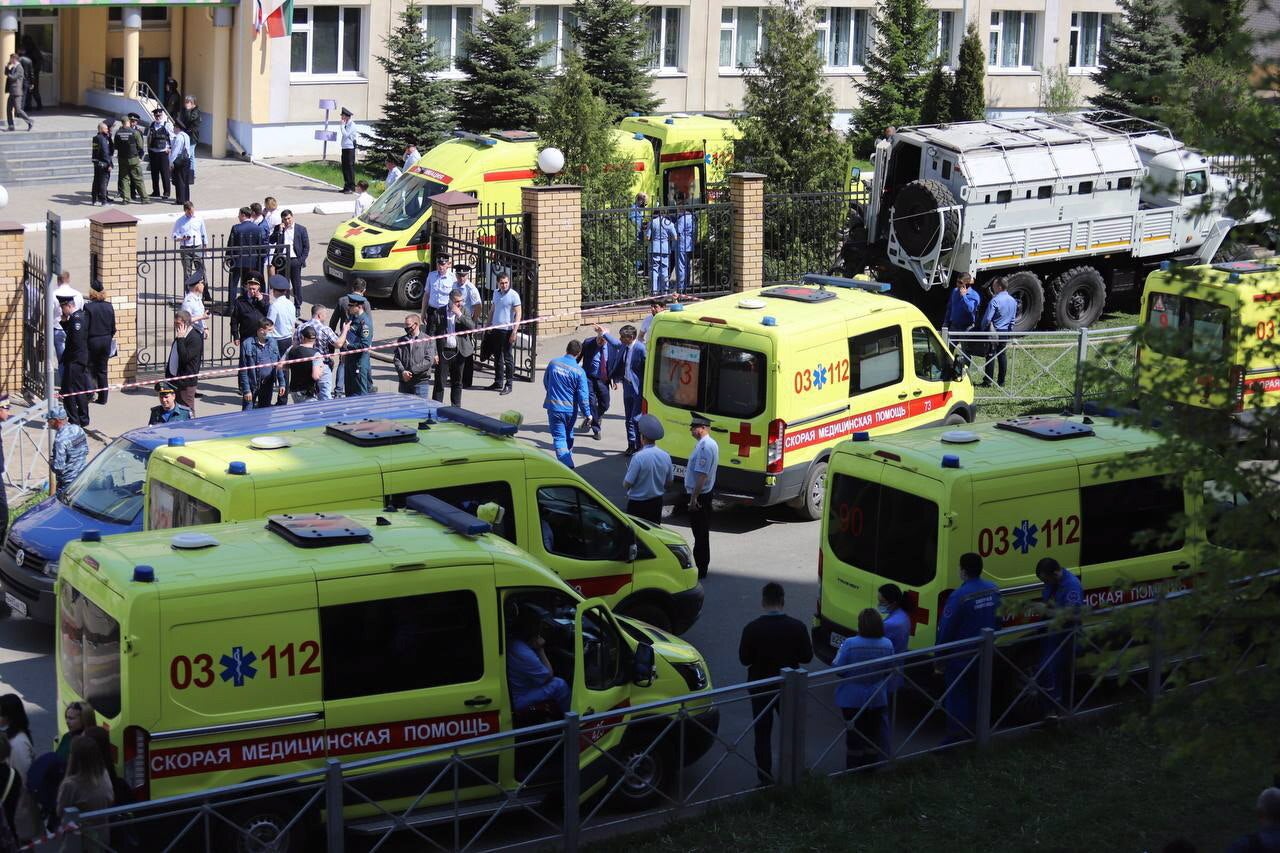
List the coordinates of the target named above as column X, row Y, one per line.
column 21, row 505
column 330, row 171
column 1099, row 787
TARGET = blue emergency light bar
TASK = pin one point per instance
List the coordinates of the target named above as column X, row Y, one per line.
column 483, row 423
column 474, row 137
column 448, row 515
column 841, row 281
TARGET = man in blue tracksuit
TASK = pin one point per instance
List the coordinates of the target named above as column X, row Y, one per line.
column 1062, row 594
column 962, row 306
column 685, row 227
column 662, row 236
column 972, row 607
column 568, row 395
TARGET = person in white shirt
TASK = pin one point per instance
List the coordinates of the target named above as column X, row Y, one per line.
column 411, row 156
column 435, row 296
column 190, row 235
column 193, row 302
column 363, row 200
column 502, row 339
column 281, row 312
column 656, row 307
column 181, row 155
column 393, row 170
column 270, row 213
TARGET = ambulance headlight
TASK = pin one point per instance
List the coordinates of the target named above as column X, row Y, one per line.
column 683, row 555
column 694, row 675
column 381, row 250
column 51, row 569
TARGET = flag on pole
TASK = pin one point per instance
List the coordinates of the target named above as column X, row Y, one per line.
column 276, row 16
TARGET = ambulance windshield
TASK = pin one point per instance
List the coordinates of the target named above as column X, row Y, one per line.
column 882, row 530
column 89, row 651
column 402, row 203
column 711, row 378
column 110, row 489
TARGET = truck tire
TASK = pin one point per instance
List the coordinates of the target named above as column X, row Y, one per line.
column 1079, row 295
column 408, row 289
column 1025, row 287
column 915, row 220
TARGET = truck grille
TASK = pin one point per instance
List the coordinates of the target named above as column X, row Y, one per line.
column 342, row 253
column 30, row 561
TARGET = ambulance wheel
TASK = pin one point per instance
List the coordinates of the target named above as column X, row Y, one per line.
column 809, row 502
column 955, row 419
column 263, row 827
column 408, row 289
column 644, row 776
column 651, row 614
column 1025, row 288
column 1079, row 295
column 915, row 217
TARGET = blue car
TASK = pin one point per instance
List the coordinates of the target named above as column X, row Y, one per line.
column 108, row 498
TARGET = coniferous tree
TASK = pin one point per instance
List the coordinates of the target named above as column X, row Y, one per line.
column 613, row 42
column 897, row 67
column 417, row 107
column 1217, row 28
column 936, row 106
column 969, row 90
column 1139, row 61
column 503, row 88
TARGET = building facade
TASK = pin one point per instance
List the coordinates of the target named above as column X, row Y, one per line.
column 267, row 92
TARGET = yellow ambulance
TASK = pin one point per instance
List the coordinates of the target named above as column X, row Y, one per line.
column 674, row 158
column 232, row 652
column 901, row 509
column 784, row 373
column 1211, row 331
column 641, row 569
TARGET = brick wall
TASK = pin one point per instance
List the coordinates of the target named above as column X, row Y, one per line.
column 746, row 194
column 11, row 249
column 555, row 224
column 113, row 244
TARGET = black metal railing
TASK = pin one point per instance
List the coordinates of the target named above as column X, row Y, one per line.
column 35, row 277
column 619, row 261
column 806, row 232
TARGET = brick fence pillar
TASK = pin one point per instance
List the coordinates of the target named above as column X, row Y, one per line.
column 456, row 214
column 11, row 331
column 746, row 194
column 113, row 260
column 555, row 225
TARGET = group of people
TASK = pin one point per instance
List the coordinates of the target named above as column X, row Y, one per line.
column 963, row 307
column 167, row 144
column 84, row 342
column 664, row 241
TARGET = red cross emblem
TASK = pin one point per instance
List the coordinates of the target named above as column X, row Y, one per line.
column 745, row 439
column 354, row 230
column 919, row 615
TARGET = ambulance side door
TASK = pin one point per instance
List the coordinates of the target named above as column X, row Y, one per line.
column 411, row 660
column 601, row 679
column 928, row 378
column 580, row 537
column 877, row 393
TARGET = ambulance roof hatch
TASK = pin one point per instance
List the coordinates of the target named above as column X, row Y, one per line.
column 1046, row 427
column 318, row 530
column 515, row 135
column 797, row 294
column 1245, row 267
column 372, row 433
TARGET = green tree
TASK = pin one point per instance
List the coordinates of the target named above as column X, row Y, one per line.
column 969, row 91
column 1216, row 28
column 1139, row 61
column 504, row 84
column 613, row 41
column 897, row 67
column 417, row 105
column 936, row 106
column 580, row 124
column 1059, row 91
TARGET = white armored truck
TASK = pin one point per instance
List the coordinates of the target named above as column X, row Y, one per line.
column 1069, row 209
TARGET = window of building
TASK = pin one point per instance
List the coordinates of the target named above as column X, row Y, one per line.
column 1011, row 40
column 553, row 27
column 843, row 36
column 741, row 36
column 663, row 25
column 448, row 26
column 365, row 644
column 875, row 360
column 327, row 40
column 944, row 45
column 1129, row 518
column 152, row 16
column 1089, row 32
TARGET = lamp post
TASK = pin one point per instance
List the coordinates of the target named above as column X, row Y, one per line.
column 550, row 161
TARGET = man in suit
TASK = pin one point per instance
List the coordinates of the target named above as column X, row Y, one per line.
column 454, row 348
column 245, row 253
column 186, row 354
column 630, row 373
column 291, row 239
column 600, row 358
column 102, row 151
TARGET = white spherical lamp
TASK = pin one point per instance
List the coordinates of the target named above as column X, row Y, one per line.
column 550, row 161
column 4, row 197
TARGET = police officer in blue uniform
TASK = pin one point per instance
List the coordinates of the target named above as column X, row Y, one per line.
column 1062, row 596
column 685, row 228
column 999, row 318
column 159, row 138
column 662, row 235
column 359, row 336
column 347, row 143
column 972, row 607
column 568, row 395
column 169, row 409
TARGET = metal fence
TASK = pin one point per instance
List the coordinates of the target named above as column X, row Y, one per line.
column 619, row 261
column 26, row 442
column 806, row 232
column 35, row 277
column 700, row 748
column 1065, row 367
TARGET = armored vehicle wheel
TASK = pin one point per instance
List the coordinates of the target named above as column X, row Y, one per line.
column 1025, row 287
column 915, row 217
column 1079, row 295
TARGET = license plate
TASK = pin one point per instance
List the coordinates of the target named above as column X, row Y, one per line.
column 17, row 605
column 837, row 640
column 677, row 470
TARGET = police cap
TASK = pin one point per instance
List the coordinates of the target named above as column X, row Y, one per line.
column 357, row 299
column 699, row 420
column 57, row 412
column 347, row 113
column 194, row 278
column 165, row 388
column 650, row 427
column 134, row 117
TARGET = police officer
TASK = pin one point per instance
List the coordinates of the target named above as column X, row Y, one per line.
column 568, row 395
column 355, row 365
column 170, row 409
column 471, row 306
column 102, row 149
column 662, row 235
column 648, row 473
column 435, row 295
column 347, row 143
column 101, row 317
column 129, row 146
column 972, row 607
column 75, row 361
column 685, row 228
column 159, row 138
column 1001, row 312
column 699, row 483
column 1062, row 595
column 70, row 450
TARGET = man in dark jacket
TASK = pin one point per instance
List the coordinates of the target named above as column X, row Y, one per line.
column 245, row 250
column 261, row 376
column 186, row 354
column 75, row 361
column 169, row 409
column 601, row 359
column 102, row 151
column 190, row 118
column 291, row 240
column 414, row 358
column 159, row 137
column 248, row 309
column 102, row 330
column 129, row 146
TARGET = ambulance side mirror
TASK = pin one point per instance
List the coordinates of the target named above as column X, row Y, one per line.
column 960, row 364
column 642, row 665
